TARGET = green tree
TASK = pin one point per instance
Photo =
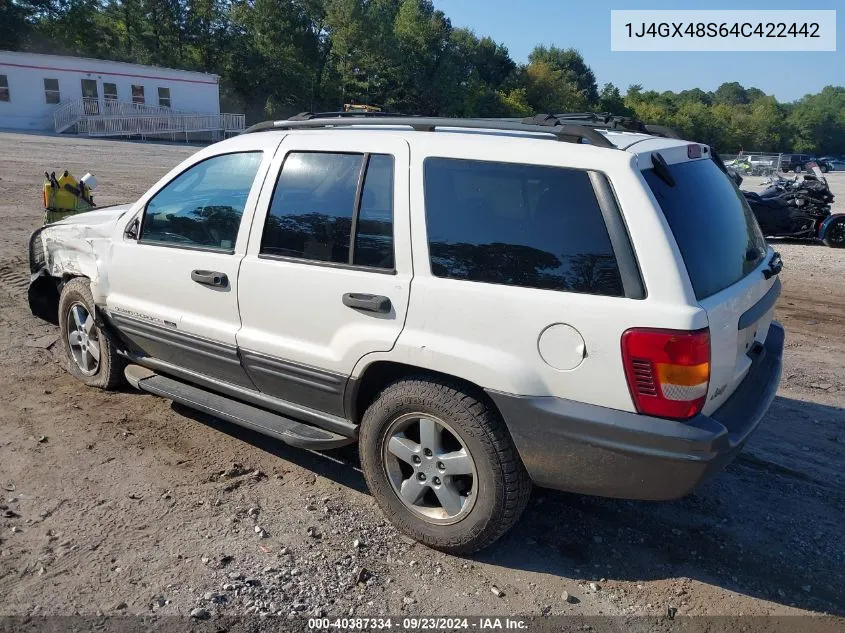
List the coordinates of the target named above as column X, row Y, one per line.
column 730, row 93
column 818, row 122
column 610, row 100
column 572, row 67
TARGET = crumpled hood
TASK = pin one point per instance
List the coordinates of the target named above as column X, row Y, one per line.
column 97, row 219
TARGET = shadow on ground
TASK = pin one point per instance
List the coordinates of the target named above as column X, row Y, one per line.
column 759, row 528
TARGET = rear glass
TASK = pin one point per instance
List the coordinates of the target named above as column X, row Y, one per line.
column 715, row 229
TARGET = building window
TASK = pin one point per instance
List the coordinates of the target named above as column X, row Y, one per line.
column 164, row 97
column 138, row 94
column 51, row 91
column 110, row 92
column 4, row 88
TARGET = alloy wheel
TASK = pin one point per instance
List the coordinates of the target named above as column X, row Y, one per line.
column 430, row 468
column 83, row 338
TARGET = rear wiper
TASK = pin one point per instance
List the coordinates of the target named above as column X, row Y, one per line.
column 661, row 169
column 775, row 266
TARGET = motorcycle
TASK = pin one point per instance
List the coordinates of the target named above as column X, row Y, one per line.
column 798, row 208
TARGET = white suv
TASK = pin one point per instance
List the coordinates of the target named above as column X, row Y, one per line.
column 479, row 304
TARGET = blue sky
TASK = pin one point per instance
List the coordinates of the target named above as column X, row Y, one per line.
column 585, row 25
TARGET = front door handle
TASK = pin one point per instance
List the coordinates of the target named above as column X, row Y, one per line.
column 367, row 303
column 210, row 278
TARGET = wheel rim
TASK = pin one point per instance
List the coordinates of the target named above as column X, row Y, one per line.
column 83, row 339
column 836, row 233
column 430, row 469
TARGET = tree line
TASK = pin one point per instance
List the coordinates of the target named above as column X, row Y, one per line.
column 279, row 57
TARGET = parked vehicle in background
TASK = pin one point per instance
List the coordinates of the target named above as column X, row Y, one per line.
column 591, row 308
column 798, row 208
column 833, row 163
column 798, row 163
column 762, row 164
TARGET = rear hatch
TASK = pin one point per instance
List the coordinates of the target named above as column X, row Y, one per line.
column 726, row 256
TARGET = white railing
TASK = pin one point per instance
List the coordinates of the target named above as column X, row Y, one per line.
column 145, row 125
column 66, row 114
column 108, row 117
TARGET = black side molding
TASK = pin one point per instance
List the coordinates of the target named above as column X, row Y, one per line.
column 285, row 429
column 753, row 314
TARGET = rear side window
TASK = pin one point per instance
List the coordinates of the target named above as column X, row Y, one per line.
column 334, row 208
column 716, row 231
column 517, row 225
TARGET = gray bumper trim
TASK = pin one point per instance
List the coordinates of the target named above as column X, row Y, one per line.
column 595, row 450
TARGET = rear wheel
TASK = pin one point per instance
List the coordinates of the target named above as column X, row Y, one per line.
column 834, row 235
column 91, row 355
column 441, row 464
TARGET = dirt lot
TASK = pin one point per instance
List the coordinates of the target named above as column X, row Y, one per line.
column 124, row 503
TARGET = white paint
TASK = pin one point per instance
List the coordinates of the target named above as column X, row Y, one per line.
column 484, row 333
column 27, row 108
column 293, row 309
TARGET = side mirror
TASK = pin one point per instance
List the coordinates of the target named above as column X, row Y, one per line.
column 132, row 230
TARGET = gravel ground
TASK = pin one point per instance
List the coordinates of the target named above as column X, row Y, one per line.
column 123, row 503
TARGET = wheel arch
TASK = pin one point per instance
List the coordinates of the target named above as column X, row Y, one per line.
column 362, row 391
column 45, row 291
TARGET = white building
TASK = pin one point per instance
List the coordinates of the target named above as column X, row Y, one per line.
column 49, row 92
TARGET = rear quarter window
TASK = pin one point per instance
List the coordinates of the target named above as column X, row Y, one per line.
column 518, row 225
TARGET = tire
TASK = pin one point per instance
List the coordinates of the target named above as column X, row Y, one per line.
column 834, row 235
column 798, row 169
column 103, row 369
column 496, row 491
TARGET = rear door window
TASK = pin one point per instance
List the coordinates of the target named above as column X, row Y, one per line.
column 716, row 231
column 518, row 225
column 333, row 207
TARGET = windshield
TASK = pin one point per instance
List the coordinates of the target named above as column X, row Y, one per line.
column 715, row 229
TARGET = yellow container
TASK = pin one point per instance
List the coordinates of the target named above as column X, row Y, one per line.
column 59, row 203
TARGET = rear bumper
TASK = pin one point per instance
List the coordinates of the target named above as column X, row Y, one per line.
column 606, row 452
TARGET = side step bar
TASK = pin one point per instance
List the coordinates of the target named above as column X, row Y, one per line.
column 285, row 429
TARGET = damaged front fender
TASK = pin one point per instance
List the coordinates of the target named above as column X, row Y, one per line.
column 75, row 247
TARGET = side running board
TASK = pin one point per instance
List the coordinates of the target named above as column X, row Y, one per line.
column 285, row 429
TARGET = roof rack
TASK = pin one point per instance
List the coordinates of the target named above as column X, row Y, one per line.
column 307, row 116
column 607, row 121
column 545, row 124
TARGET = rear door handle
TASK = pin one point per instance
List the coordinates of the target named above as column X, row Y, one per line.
column 367, row 303
column 210, row 278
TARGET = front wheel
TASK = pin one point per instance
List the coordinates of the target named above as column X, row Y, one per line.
column 441, row 464
column 834, row 234
column 91, row 354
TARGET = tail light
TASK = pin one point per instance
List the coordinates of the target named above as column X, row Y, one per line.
column 668, row 371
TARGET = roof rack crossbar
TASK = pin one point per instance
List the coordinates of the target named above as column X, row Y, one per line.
column 572, row 133
column 607, row 121
column 362, row 114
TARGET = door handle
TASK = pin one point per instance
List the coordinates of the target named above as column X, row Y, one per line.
column 368, row 303
column 210, row 278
